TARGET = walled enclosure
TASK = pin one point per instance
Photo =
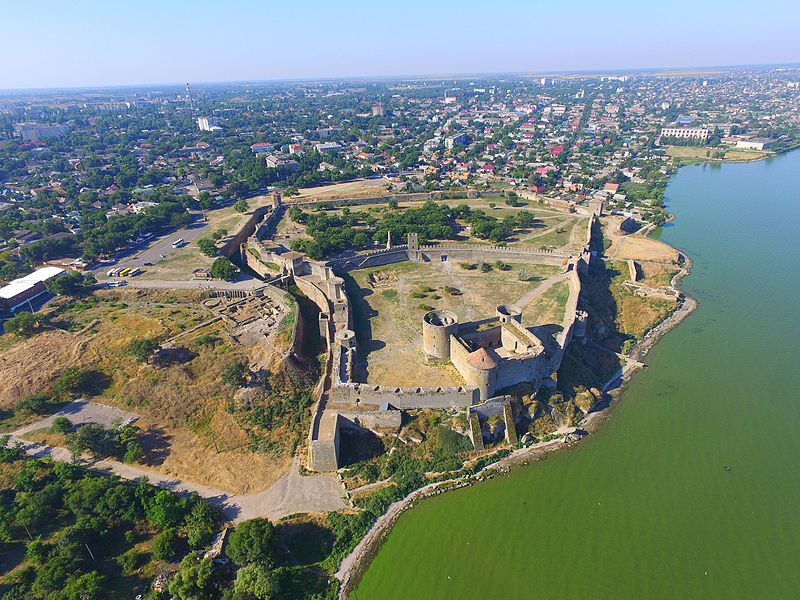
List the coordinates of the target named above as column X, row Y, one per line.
column 474, row 353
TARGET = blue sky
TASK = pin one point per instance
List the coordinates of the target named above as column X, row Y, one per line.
column 53, row 43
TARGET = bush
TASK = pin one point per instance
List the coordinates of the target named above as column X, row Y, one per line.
column 23, row 324
column 72, row 381
column 219, row 234
column 165, row 545
column 234, row 374
column 32, row 405
column 142, row 348
column 129, row 562
column 206, row 339
column 485, row 267
column 61, row 425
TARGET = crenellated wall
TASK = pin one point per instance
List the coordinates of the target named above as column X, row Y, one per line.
column 403, row 397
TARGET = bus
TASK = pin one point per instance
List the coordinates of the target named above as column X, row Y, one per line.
column 180, row 242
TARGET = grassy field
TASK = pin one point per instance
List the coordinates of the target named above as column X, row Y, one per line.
column 699, row 154
column 548, row 308
column 389, row 303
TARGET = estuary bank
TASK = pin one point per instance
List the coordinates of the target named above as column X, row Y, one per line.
column 687, row 492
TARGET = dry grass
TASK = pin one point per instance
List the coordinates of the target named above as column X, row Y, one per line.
column 389, row 319
column 636, row 315
column 656, row 274
column 641, row 248
column 31, row 365
column 189, row 433
column 365, row 188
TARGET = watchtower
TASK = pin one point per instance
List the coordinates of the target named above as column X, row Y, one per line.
column 413, row 247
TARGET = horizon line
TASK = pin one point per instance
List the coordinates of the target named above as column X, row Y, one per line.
column 412, row 77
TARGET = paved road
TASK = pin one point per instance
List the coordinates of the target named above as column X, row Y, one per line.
column 158, row 248
column 292, row 493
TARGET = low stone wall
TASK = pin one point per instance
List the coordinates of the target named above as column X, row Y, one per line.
column 400, row 397
column 477, row 253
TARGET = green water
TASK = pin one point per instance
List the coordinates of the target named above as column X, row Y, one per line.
column 645, row 508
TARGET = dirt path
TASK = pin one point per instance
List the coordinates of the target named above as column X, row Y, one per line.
column 540, row 289
column 292, row 493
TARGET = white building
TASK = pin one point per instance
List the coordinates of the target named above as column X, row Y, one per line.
column 208, row 124
column 21, row 291
column 685, row 133
column 754, row 143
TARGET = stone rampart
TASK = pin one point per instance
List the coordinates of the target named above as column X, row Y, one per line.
column 402, row 397
column 374, row 420
column 231, row 244
column 477, row 253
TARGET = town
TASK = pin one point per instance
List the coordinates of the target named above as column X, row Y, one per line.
column 298, row 304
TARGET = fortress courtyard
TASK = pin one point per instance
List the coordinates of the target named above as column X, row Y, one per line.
column 389, row 302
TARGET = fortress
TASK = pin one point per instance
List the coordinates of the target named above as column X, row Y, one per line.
column 490, row 354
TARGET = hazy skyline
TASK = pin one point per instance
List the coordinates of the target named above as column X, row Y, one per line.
column 47, row 43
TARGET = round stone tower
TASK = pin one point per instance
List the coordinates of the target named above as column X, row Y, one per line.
column 508, row 313
column 437, row 327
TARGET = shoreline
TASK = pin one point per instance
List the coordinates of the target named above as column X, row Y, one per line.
column 355, row 564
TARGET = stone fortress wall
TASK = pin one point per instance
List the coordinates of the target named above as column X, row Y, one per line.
column 339, row 400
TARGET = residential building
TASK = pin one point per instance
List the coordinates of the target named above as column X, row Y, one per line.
column 692, row 133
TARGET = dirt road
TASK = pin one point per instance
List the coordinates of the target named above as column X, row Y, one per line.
column 292, row 493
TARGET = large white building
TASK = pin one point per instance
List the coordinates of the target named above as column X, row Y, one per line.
column 685, row 133
column 21, row 291
column 208, row 124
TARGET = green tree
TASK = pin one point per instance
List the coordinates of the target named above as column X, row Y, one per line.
column 207, row 246
column 72, row 380
column 61, row 425
column 71, row 283
column 142, row 348
column 255, row 582
column 252, row 542
column 222, row 268
column 165, row 545
column 93, row 438
column 164, row 510
column 32, row 405
column 23, row 324
column 84, row 587
column 194, row 580
column 199, row 525
column 241, row 206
